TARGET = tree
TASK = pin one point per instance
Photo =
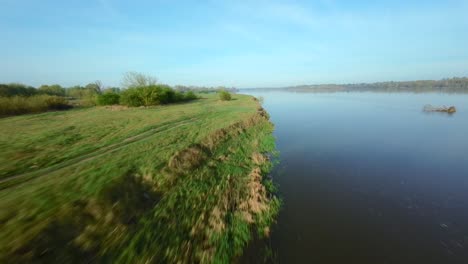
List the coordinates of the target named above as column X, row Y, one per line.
column 96, row 86
column 14, row 89
column 54, row 89
column 136, row 79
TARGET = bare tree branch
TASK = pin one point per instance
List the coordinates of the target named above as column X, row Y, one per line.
column 136, row 79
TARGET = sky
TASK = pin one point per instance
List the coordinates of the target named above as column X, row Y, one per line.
column 236, row 43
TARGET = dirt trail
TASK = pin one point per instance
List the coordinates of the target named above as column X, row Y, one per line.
column 24, row 177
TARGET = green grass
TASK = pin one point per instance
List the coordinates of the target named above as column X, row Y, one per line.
column 159, row 184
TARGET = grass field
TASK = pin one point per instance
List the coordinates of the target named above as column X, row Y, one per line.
column 180, row 183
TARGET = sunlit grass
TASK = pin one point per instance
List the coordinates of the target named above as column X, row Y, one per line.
column 104, row 173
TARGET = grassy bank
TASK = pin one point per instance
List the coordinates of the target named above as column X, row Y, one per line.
column 179, row 183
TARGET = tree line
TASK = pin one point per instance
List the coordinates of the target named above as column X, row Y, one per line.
column 138, row 90
column 450, row 85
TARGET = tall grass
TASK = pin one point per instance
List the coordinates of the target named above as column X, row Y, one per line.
column 18, row 105
column 176, row 184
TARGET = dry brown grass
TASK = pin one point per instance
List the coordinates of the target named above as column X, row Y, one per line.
column 256, row 201
column 187, row 159
column 220, row 135
column 259, row 158
column 215, row 138
column 116, row 107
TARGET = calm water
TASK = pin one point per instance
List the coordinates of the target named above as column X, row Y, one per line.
column 370, row 178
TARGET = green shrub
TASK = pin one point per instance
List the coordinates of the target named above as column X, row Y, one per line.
column 83, row 96
column 152, row 95
column 179, row 96
column 131, row 97
column 224, row 95
column 108, row 99
column 190, row 96
column 88, row 101
column 18, row 105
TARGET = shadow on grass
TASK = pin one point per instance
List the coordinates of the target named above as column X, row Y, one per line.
column 83, row 231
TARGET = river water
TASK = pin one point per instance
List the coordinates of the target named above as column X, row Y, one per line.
column 369, row 178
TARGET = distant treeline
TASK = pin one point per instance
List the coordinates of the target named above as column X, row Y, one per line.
column 139, row 90
column 453, row 85
column 204, row 89
column 17, row 89
column 92, row 89
column 16, row 99
column 78, row 92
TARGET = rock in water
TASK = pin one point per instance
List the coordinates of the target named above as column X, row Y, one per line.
column 451, row 109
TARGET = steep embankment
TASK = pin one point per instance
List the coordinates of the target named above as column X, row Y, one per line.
column 179, row 183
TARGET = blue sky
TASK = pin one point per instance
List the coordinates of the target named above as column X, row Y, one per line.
column 232, row 43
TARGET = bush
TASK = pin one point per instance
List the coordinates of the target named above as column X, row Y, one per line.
column 131, row 97
column 84, row 96
column 18, row 105
column 190, row 96
column 108, row 99
column 179, row 96
column 152, row 95
column 224, row 95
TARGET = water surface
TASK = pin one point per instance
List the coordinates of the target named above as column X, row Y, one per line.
column 370, row 178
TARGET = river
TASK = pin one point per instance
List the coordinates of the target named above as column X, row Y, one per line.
column 369, row 178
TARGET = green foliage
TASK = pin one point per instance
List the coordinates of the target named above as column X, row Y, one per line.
column 131, row 97
column 190, row 95
column 52, row 90
column 268, row 218
column 79, row 92
column 17, row 105
column 240, row 234
column 224, row 95
column 15, row 89
column 83, row 96
column 152, row 95
column 108, row 99
column 93, row 87
column 96, row 184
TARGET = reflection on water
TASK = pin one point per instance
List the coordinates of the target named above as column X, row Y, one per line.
column 370, row 178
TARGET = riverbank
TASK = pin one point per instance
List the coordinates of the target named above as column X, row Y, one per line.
column 181, row 183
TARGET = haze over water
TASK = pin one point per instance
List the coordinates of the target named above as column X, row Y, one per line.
column 370, row 178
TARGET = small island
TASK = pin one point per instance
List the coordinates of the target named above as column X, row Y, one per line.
column 430, row 108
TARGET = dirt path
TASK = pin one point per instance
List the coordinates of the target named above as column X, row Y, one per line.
column 24, row 177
